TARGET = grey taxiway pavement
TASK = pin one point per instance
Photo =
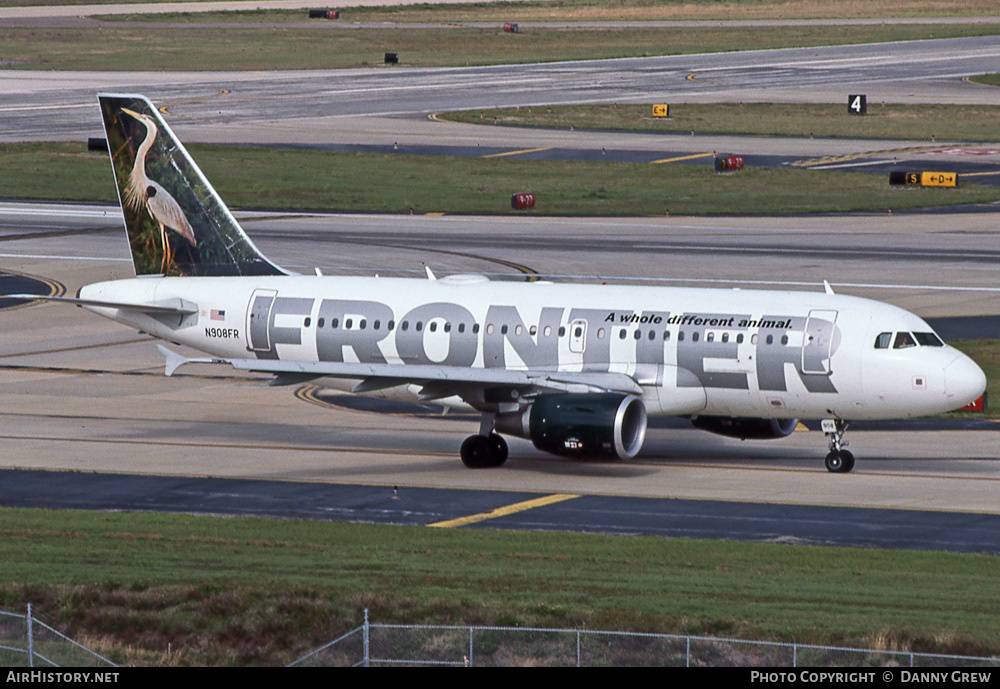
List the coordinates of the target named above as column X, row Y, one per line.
column 394, row 107
column 87, row 395
column 386, row 105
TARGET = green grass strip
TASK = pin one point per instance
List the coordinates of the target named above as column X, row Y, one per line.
column 260, row 591
column 295, row 179
column 928, row 123
column 992, row 79
column 626, row 10
column 137, row 45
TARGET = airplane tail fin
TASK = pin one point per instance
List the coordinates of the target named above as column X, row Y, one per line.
column 176, row 222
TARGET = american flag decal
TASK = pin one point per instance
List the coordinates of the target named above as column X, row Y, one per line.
column 218, row 315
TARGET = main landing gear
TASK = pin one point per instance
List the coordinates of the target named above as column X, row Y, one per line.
column 485, row 449
column 482, row 451
column 838, row 460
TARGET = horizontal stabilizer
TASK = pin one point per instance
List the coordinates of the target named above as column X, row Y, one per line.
column 178, row 307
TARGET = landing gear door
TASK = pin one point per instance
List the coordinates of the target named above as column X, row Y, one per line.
column 258, row 317
column 817, row 342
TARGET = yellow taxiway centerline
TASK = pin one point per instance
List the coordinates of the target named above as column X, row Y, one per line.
column 675, row 160
column 504, row 511
column 515, row 153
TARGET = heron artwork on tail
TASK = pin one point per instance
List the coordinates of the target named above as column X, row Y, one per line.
column 142, row 191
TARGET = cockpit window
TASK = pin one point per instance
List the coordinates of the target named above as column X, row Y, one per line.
column 928, row 340
column 904, row 340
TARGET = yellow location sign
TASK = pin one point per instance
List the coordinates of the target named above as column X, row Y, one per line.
column 661, row 111
column 923, row 179
column 938, row 179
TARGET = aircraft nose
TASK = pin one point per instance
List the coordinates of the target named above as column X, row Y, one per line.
column 964, row 381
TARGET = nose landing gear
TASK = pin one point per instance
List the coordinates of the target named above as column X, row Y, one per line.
column 838, row 460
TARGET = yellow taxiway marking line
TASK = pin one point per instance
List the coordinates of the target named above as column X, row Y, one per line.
column 977, row 174
column 515, row 153
column 675, row 160
column 504, row 511
column 165, row 109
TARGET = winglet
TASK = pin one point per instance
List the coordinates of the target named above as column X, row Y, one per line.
column 175, row 360
column 827, row 288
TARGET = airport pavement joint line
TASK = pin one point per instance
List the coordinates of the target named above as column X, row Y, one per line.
column 74, row 348
column 253, row 447
column 48, row 234
column 531, row 275
column 505, row 511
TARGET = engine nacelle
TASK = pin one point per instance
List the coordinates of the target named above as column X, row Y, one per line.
column 746, row 428
column 587, row 425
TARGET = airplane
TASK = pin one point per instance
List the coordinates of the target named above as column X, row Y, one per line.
column 576, row 368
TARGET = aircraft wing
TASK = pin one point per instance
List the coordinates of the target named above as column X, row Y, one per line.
column 475, row 385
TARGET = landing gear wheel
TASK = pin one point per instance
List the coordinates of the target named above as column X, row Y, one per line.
column 498, row 450
column 476, row 452
column 839, row 461
column 481, row 451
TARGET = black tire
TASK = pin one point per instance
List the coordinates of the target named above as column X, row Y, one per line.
column 839, row 462
column 848, row 461
column 498, row 450
column 476, row 452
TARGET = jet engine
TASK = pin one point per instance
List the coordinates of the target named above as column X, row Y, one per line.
column 745, row 428
column 584, row 425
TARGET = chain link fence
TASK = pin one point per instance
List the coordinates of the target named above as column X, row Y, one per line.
column 384, row 645
column 26, row 641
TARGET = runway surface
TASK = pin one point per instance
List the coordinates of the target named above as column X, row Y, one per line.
column 84, row 395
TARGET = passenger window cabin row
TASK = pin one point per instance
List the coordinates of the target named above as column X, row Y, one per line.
column 623, row 333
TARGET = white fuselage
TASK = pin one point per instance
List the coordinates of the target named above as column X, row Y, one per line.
column 743, row 353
